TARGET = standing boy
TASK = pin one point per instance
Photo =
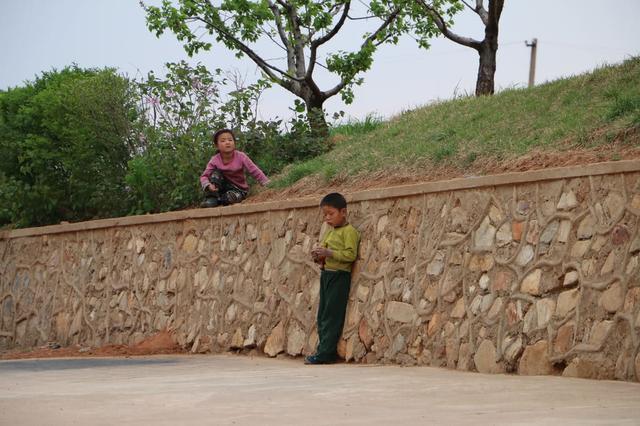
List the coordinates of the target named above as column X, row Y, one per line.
column 338, row 251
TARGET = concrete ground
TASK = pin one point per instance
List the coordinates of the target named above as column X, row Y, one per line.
column 228, row 389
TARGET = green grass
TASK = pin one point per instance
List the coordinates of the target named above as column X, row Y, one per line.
column 584, row 111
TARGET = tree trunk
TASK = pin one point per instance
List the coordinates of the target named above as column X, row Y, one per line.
column 315, row 116
column 487, row 68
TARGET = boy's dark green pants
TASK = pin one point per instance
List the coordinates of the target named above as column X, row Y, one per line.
column 334, row 295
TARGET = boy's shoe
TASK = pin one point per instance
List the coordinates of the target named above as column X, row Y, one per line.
column 314, row 360
column 210, row 202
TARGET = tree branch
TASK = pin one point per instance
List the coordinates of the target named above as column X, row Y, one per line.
column 444, row 29
column 336, row 89
column 328, row 36
column 264, row 65
column 482, row 12
column 283, row 35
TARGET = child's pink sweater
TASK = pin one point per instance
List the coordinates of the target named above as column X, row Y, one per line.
column 234, row 170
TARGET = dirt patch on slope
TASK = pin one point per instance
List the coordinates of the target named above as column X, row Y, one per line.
column 315, row 187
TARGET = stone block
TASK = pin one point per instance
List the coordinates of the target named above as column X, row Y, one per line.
column 619, row 235
column 564, row 338
column 190, row 243
column 400, row 312
column 599, row 332
column 476, row 303
column 362, row 293
column 275, row 341
column 481, row 263
column 570, row 278
column 512, row 348
column 513, row 313
column 531, row 283
column 545, row 309
column 609, row 264
column 564, row 231
column 549, row 232
column 296, row 339
column 580, row 368
column 496, row 308
column 586, row 228
column 580, row 248
column 485, row 358
column 434, row 324
column 516, row 230
column 632, row 300
column 483, row 282
column 365, row 333
column 567, row 301
column 525, row 255
column 502, row 282
column 504, row 236
column 458, row 310
column 612, row 298
column 567, row 201
column 237, row 340
column 484, row 236
column 464, row 357
column 250, row 340
column 535, row 360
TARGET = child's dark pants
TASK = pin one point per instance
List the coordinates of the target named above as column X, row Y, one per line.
column 334, row 295
column 227, row 193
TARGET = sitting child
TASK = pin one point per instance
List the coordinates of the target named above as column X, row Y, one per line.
column 223, row 180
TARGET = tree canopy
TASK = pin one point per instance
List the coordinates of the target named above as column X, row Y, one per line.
column 299, row 28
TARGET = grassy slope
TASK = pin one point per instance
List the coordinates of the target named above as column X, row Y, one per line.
column 579, row 112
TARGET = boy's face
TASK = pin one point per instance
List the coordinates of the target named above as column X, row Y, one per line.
column 225, row 143
column 333, row 216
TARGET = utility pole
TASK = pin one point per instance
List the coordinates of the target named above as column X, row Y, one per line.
column 532, row 63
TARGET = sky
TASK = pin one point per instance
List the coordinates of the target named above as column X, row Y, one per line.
column 574, row 36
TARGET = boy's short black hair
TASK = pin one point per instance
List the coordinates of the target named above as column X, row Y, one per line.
column 334, row 200
column 217, row 134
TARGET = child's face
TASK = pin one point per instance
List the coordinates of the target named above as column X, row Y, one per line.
column 333, row 216
column 226, row 143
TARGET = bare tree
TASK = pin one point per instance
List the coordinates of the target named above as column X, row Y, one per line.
column 486, row 48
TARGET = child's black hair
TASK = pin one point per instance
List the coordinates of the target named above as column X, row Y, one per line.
column 217, row 134
column 334, row 200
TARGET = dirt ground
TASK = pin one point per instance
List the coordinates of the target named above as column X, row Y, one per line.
column 160, row 343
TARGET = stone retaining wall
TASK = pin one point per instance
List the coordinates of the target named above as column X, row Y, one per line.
column 534, row 273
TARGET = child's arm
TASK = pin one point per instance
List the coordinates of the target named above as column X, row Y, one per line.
column 254, row 170
column 204, row 177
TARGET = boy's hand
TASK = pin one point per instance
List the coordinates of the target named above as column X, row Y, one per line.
column 321, row 252
column 212, row 187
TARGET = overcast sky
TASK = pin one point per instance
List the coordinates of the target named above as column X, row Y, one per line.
column 574, row 36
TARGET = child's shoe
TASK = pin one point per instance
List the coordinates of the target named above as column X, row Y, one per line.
column 314, row 360
column 210, row 202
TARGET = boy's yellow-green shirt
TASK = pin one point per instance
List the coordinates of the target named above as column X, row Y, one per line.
column 343, row 242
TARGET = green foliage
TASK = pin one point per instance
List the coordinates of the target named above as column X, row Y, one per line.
column 625, row 105
column 65, row 140
column 299, row 27
column 355, row 127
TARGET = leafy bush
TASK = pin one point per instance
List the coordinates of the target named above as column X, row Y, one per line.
column 65, row 140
